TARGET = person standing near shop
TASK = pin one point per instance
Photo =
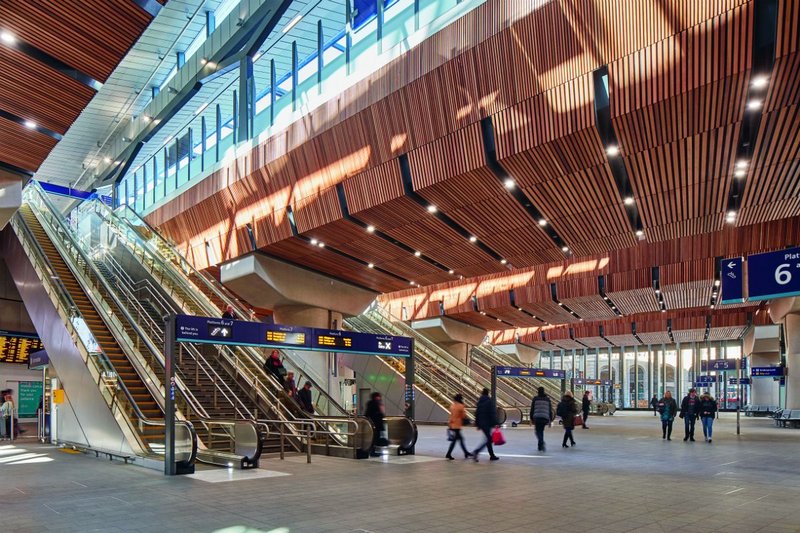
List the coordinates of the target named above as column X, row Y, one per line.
column 667, row 407
column 541, row 415
column 708, row 410
column 690, row 410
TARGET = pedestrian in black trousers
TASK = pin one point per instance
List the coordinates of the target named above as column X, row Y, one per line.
column 486, row 421
column 586, row 401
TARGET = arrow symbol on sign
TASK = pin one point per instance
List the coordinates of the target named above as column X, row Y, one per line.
column 731, row 264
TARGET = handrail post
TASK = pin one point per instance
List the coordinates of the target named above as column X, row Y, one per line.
column 215, row 391
column 282, row 440
column 308, row 445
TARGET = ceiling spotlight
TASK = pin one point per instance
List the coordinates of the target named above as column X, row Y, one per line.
column 31, row 125
column 483, row 312
column 499, row 320
column 503, row 261
column 314, row 242
column 731, row 214
column 519, row 309
column 565, row 249
column 451, row 271
column 740, row 173
column 8, row 37
column 370, row 265
column 116, row 163
column 628, row 200
column 741, row 163
column 759, row 82
column 612, row 150
column 417, row 253
column 542, row 222
column 473, row 238
column 370, row 229
column 560, row 304
column 716, row 283
column 432, row 208
column 321, row 245
column 145, row 119
column 754, row 105
column 412, row 283
column 605, row 298
column 711, row 306
column 663, row 310
column 203, row 61
column 509, row 183
column 639, row 233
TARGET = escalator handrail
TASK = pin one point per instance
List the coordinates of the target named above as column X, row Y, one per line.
column 100, row 357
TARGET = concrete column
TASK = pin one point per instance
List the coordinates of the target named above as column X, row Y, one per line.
column 764, row 391
column 457, row 338
column 791, row 328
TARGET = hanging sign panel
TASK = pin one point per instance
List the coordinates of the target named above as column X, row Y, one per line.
column 773, row 275
column 732, row 280
column 525, row 372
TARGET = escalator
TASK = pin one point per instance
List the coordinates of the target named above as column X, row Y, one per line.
column 155, row 280
column 132, row 402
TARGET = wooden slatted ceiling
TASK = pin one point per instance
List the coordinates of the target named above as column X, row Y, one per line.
column 632, row 292
column 656, row 337
column 31, row 90
column 89, row 36
column 22, row 147
column 688, row 284
column 678, row 139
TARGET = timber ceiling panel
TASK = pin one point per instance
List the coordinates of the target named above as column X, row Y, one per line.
column 623, row 340
column 729, row 332
column 689, row 284
column 632, row 291
column 656, row 337
column 31, row 90
column 89, row 36
column 22, row 147
column 595, row 342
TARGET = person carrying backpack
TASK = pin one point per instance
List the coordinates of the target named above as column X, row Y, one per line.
column 567, row 409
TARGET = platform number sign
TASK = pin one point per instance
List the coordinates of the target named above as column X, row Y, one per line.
column 774, row 274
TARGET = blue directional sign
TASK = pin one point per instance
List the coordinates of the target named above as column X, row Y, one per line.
column 737, row 381
column 774, row 274
column 587, row 381
column 766, row 371
column 38, row 360
column 718, row 364
column 732, row 280
column 701, row 380
column 208, row 330
column 525, row 372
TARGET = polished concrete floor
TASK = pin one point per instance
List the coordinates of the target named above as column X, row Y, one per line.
column 620, row 477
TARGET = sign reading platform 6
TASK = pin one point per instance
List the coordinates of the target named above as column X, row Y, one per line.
column 773, row 275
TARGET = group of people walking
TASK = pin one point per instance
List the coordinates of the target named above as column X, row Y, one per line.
column 693, row 407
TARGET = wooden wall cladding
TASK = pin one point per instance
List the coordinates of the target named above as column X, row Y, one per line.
column 22, row 147
column 91, row 37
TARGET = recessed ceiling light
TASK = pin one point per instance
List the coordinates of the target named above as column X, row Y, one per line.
column 503, row 261
column 314, row 242
column 612, row 150
column 370, row 229
column 8, row 37
column 711, row 306
column 203, row 61
column 663, row 310
column 519, row 308
column 145, row 118
column 370, row 265
column 499, row 320
column 628, row 200
column 754, row 105
column 639, row 233
column 451, row 271
column 560, row 304
column 417, row 253
column 740, row 173
column 759, row 82
column 742, row 163
column 31, row 125
column 321, row 245
column 542, row 222
column 412, row 283
column 731, row 214
column 509, row 183
column 565, row 249
column 483, row 313
column 116, row 163
column 473, row 238
column 716, row 283
column 432, row 208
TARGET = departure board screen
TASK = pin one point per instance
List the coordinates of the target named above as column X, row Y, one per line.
column 286, row 337
column 334, row 341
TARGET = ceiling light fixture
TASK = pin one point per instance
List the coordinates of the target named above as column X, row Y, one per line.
column 754, row 105
column 473, row 238
column 509, row 184
column 451, row 271
column 759, row 82
column 740, row 173
column 565, row 249
column 432, row 209
column 8, row 37
column 370, row 265
column 612, row 150
column 106, row 160
column 292, row 23
column 314, row 242
column 628, row 200
column 370, row 229
column 542, row 222
column 321, row 245
column 417, row 253
column 31, row 125
column 412, row 283
column 639, row 233
column 503, row 261
column 716, row 283
column 742, row 163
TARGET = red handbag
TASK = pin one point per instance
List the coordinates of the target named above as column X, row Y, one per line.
column 497, row 437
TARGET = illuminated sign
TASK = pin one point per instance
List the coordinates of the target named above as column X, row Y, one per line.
column 525, row 372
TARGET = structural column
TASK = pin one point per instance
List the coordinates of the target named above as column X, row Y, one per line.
column 791, row 328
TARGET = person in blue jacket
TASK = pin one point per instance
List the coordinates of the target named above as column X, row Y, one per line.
column 485, row 421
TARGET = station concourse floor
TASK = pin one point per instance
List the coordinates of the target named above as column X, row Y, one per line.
column 620, row 477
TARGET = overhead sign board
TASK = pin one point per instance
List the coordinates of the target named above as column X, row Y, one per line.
column 766, row 371
column 587, row 381
column 732, row 280
column 718, row 364
column 774, row 274
column 526, row 372
column 705, row 379
column 209, row 330
column 38, row 360
column 737, row 381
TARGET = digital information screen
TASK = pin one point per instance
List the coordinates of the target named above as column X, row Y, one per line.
column 525, row 372
column 243, row 333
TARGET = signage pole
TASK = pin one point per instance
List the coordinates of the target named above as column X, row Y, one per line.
column 494, row 384
column 739, row 399
column 169, row 400
column 410, row 402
